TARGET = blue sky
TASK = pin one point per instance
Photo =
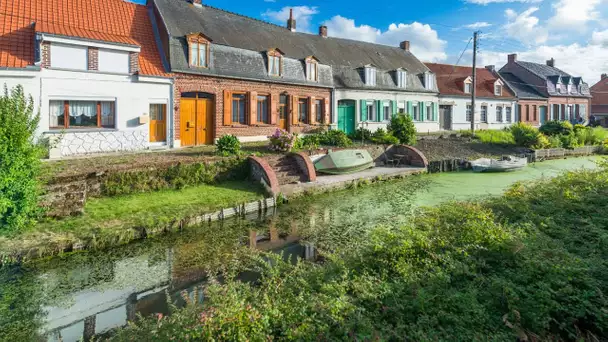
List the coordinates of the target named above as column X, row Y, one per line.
column 571, row 31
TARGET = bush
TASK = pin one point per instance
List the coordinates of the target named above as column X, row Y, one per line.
column 282, row 141
column 578, row 127
column 20, row 155
column 360, row 134
column 334, row 137
column 556, row 128
column 382, row 137
column 570, row 141
column 228, row 145
column 543, row 142
column 309, row 142
column 525, row 135
column 499, row 137
column 402, row 127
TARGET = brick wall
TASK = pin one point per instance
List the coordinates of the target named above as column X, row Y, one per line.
column 45, row 54
column 216, row 86
column 526, row 111
column 93, row 58
column 571, row 101
column 133, row 62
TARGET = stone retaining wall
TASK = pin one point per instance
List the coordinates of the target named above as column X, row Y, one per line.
column 306, row 166
column 79, row 143
column 263, row 173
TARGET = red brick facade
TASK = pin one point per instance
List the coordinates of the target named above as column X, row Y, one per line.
column 565, row 101
column 45, row 54
column 219, row 87
column 134, row 62
column 93, row 58
column 529, row 111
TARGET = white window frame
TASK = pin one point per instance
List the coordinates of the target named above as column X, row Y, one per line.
column 415, row 111
column 429, row 111
column 498, row 89
column 312, row 70
column 467, row 114
column 371, row 115
column 386, row 104
column 483, row 117
column 401, row 105
column 508, row 114
column 401, row 79
column 370, row 76
column 499, row 114
column 468, row 87
column 428, row 80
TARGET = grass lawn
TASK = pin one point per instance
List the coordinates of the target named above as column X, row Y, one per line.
column 156, row 208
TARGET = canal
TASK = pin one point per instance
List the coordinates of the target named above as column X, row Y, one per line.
column 88, row 294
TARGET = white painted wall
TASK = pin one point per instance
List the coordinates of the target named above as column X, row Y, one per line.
column 358, row 95
column 113, row 61
column 459, row 107
column 132, row 99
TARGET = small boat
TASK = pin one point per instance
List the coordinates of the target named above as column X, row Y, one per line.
column 507, row 163
column 344, row 161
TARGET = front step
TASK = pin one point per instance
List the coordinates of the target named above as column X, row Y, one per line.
column 286, row 169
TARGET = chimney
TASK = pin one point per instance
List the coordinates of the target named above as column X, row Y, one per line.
column 405, row 45
column 291, row 22
column 492, row 68
column 512, row 58
column 551, row 62
column 197, row 3
column 323, row 31
column 604, row 76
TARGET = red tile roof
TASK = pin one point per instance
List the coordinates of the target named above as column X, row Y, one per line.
column 450, row 80
column 115, row 21
column 599, row 91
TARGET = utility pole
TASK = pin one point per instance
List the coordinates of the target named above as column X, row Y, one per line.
column 474, row 81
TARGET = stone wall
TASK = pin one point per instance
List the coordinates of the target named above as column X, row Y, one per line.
column 263, row 173
column 78, row 143
column 305, row 165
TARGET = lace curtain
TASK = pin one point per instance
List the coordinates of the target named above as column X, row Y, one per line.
column 56, row 114
column 83, row 113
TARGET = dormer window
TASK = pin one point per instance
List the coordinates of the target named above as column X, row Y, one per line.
column 370, row 76
column 275, row 63
column 497, row 89
column 401, row 78
column 198, row 47
column 429, row 81
column 569, row 87
column 468, row 85
column 312, row 69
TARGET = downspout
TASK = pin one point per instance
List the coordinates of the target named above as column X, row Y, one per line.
column 172, row 108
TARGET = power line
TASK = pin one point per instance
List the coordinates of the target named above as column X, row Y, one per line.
column 463, row 51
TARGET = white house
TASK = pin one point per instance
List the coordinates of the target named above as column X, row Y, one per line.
column 98, row 84
column 495, row 104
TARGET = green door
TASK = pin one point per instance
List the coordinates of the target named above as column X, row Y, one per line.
column 543, row 114
column 346, row 116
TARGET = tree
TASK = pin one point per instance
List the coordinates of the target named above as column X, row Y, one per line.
column 20, row 154
column 402, row 127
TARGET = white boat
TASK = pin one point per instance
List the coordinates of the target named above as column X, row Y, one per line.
column 507, row 163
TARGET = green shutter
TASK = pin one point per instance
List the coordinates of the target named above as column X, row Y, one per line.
column 421, row 110
column 363, row 116
column 435, row 110
column 410, row 110
column 394, row 107
column 379, row 113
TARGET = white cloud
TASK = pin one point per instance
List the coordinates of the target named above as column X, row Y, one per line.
column 487, row 2
column 525, row 27
column 478, row 25
column 574, row 14
column 425, row 42
column 302, row 15
column 600, row 38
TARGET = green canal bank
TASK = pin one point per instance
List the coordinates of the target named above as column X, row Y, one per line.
column 89, row 294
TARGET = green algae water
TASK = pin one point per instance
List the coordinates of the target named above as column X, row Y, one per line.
column 91, row 294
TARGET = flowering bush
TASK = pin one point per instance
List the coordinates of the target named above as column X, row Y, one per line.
column 281, row 141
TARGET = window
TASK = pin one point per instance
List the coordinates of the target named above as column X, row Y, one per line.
column 113, row 61
column 283, row 107
column 569, row 88
column 319, row 112
column 534, row 114
column 81, row 114
column 69, row 56
column 508, row 113
column 498, row 114
column 497, row 90
column 468, row 87
column 262, row 110
column 428, row 80
column 303, row 110
column 469, row 113
column 401, row 79
column 370, row 76
column 484, row 113
column 429, row 112
column 157, row 111
column 275, row 60
column 401, row 107
column 371, row 115
column 386, row 111
column 199, row 50
column 238, row 109
column 416, row 113
column 312, row 70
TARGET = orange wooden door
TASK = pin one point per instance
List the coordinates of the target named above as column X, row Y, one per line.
column 283, row 110
column 158, row 122
column 204, row 122
column 187, row 112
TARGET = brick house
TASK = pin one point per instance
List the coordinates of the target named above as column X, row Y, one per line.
column 529, row 101
column 247, row 80
column 567, row 97
column 93, row 71
column 599, row 103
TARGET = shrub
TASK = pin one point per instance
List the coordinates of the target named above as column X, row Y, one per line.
column 578, row 127
column 499, row 137
column 228, row 145
column 282, row 141
column 525, row 135
column 382, row 137
column 570, row 141
column 20, row 154
column 554, row 141
column 556, row 128
column 402, row 127
column 309, row 142
column 361, row 134
column 542, row 142
column 334, row 137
